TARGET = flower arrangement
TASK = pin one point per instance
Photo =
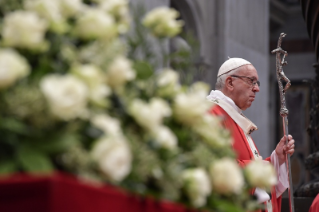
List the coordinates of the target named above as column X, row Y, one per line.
column 78, row 95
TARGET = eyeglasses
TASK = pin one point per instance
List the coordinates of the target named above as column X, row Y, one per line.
column 253, row 82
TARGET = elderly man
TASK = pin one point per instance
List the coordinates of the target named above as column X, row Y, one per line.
column 236, row 88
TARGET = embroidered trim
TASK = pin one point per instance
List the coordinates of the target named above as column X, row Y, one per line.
column 244, row 123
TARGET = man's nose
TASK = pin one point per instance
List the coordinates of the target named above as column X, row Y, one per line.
column 256, row 88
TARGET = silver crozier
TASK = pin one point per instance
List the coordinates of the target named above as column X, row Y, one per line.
column 280, row 62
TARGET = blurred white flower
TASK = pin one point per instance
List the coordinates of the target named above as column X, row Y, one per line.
column 209, row 127
column 189, row 108
column 94, row 23
column 25, row 30
column 200, row 88
column 12, row 67
column 161, row 106
column 119, row 72
column 149, row 116
column 120, row 11
column 162, row 22
column 101, row 52
column 261, row 174
column 98, row 94
column 49, row 10
column 113, row 157
column 89, row 73
column 144, row 115
column 226, row 176
column 70, row 7
column 95, row 80
column 165, row 138
column 66, row 95
column 197, row 185
column 167, row 77
column 157, row 172
column 168, row 83
column 110, row 126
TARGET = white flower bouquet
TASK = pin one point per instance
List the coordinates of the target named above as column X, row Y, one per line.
column 80, row 95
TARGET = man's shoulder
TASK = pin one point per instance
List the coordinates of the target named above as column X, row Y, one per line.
column 227, row 121
column 217, row 110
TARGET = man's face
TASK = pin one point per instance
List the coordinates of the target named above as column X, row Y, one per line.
column 244, row 91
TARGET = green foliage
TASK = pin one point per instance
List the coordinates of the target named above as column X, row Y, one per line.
column 7, row 167
column 143, row 70
column 32, row 160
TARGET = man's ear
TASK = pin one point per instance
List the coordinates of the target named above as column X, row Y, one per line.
column 229, row 83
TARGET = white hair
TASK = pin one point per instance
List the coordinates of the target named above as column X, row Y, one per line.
column 220, row 82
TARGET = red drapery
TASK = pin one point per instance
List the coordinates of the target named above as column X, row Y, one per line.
column 64, row 193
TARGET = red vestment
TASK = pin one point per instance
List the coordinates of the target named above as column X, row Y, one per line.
column 315, row 205
column 241, row 147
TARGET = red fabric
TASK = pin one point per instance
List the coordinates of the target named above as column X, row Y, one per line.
column 241, row 147
column 64, row 193
column 315, row 205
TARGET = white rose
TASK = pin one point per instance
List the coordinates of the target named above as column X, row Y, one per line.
column 162, row 22
column 12, row 67
column 226, row 176
column 197, row 185
column 66, row 95
column 200, row 88
column 98, row 94
column 167, row 77
column 168, row 83
column 144, row 115
column 120, row 11
column 211, row 130
column 189, row 108
column 24, row 29
column 114, row 6
column 70, row 7
column 95, row 24
column 109, row 125
column 149, row 116
column 261, row 174
column 89, row 73
column 161, row 107
column 49, row 10
column 119, row 72
column 113, row 157
column 93, row 77
column 165, row 138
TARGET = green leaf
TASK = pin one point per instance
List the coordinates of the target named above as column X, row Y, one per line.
column 57, row 144
column 228, row 206
column 224, row 205
column 32, row 160
column 143, row 69
column 13, row 125
column 7, row 167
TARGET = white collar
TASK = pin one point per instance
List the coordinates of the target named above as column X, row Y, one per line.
column 232, row 110
column 216, row 94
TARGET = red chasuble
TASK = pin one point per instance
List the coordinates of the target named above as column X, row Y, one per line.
column 241, row 147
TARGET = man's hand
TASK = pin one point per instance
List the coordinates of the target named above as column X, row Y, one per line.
column 282, row 149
